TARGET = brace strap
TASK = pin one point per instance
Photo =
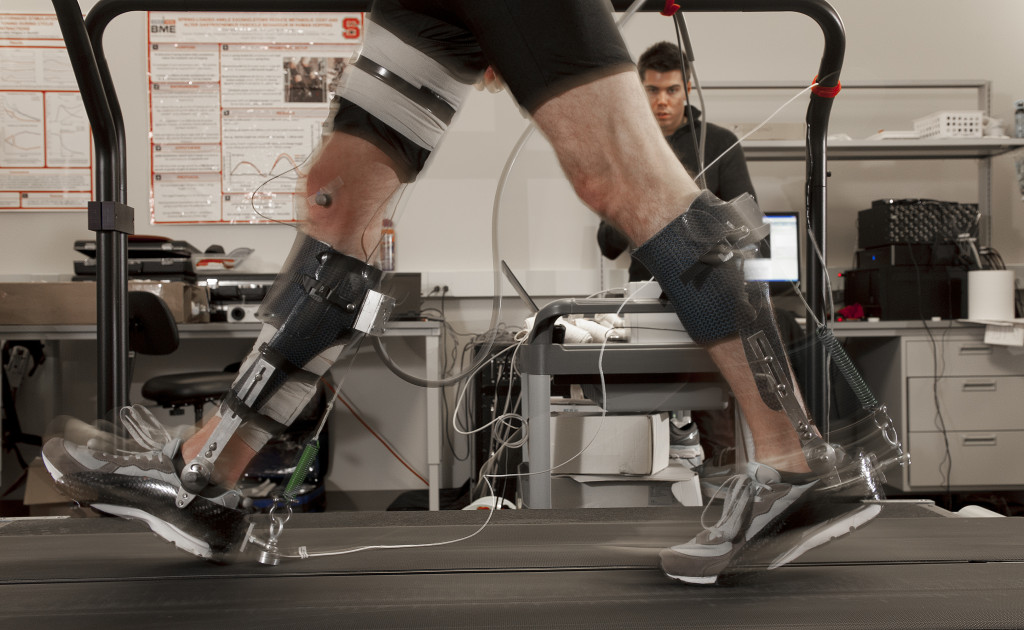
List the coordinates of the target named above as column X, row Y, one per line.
column 251, row 416
column 280, row 363
column 422, row 96
column 322, row 291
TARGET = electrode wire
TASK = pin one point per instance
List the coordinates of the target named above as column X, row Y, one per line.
column 303, row 553
column 483, row 355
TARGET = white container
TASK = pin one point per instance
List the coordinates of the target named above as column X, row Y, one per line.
column 952, row 124
column 990, row 294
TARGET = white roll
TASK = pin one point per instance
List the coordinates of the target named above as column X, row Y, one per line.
column 596, row 330
column 990, row 295
column 575, row 334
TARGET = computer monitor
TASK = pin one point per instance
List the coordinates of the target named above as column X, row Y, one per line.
column 779, row 262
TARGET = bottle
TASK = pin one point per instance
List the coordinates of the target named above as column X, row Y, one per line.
column 1019, row 119
column 387, row 246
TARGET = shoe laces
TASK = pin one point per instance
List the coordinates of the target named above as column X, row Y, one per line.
column 144, row 427
column 739, row 488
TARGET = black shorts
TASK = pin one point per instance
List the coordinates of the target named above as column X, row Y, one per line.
column 541, row 48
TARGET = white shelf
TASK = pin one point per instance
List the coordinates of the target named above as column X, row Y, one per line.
column 951, row 148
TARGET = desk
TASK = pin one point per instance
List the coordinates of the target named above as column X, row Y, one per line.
column 541, row 359
column 430, row 331
column 895, row 359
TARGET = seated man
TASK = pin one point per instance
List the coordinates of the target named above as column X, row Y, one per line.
column 663, row 73
column 566, row 65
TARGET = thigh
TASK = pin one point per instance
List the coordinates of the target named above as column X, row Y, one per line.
column 541, row 48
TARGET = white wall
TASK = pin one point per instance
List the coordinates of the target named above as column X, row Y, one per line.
column 445, row 223
column 546, row 235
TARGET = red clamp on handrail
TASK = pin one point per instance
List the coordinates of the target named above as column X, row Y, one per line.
column 826, row 92
column 670, row 8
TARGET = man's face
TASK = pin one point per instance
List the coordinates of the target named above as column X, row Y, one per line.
column 667, row 95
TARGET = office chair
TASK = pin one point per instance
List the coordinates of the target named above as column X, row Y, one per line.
column 153, row 331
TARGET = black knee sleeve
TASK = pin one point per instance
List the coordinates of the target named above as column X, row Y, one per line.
column 698, row 261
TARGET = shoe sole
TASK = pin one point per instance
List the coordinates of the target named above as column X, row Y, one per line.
column 828, row 531
column 751, row 557
column 696, row 581
column 203, row 528
column 180, row 539
column 779, row 544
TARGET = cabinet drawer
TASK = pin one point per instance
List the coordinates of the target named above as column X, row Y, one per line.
column 987, row 459
column 985, row 403
column 962, row 357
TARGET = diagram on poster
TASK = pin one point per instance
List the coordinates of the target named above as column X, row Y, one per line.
column 45, row 142
column 237, row 105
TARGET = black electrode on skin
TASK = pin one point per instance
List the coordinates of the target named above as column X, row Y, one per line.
column 323, row 198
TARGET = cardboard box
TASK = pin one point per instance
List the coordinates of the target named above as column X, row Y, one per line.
column 604, row 491
column 56, row 303
column 609, row 445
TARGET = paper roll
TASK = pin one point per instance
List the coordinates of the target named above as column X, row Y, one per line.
column 990, row 295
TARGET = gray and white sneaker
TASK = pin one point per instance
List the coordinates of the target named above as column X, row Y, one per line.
column 765, row 523
column 144, row 431
column 144, row 486
column 684, row 445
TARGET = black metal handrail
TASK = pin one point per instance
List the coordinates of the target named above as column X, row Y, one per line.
column 84, row 39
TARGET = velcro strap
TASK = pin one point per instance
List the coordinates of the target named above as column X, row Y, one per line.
column 281, row 363
column 422, row 96
column 319, row 290
column 252, row 417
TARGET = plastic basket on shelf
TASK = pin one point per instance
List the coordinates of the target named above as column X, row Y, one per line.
column 959, row 124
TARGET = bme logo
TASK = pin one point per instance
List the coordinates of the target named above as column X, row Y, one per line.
column 162, row 26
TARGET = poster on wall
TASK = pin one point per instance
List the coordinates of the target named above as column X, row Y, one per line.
column 237, row 105
column 45, row 140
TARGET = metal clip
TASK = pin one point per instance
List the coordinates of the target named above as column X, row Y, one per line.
column 374, row 314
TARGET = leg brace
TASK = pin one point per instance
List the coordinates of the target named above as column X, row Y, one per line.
column 398, row 98
column 320, row 302
column 698, row 260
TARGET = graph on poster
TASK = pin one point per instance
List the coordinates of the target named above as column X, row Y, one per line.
column 45, row 141
column 238, row 104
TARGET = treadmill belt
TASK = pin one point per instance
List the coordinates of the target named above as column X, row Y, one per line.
column 912, row 567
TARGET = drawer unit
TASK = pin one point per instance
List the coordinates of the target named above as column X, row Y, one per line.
column 968, row 403
column 961, row 357
column 980, row 459
column 979, row 389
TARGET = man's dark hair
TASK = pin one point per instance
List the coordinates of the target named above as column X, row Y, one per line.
column 662, row 57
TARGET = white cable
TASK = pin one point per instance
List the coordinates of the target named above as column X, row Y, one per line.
column 303, row 552
column 604, row 413
column 758, row 127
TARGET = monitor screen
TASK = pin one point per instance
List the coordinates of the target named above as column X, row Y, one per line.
column 780, row 261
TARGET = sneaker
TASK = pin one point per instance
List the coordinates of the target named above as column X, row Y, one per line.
column 99, row 434
column 144, row 486
column 765, row 523
column 684, row 445
column 145, row 431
